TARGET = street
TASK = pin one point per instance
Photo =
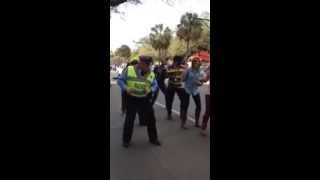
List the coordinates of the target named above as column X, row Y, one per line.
column 184, row 154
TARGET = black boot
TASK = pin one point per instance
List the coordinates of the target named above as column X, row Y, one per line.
column 183, row 118
column 197, row 123
column 125, row 144
column 155, row 142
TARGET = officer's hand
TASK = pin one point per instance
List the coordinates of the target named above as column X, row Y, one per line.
column 146, row 90
column 129, row 91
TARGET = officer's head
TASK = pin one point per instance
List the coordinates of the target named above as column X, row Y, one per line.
column 178, row 60
column 145, row 63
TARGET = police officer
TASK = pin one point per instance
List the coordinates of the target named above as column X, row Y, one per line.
column 175, row 85
column 124, row 95
column 139, row 83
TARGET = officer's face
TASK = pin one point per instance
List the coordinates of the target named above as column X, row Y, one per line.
column 144, row 67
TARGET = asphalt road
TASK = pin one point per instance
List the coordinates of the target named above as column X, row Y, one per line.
column 184, row 155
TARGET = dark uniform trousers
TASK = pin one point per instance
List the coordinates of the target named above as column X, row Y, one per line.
column 134, row 106
column 124, row 105
column 170, row 92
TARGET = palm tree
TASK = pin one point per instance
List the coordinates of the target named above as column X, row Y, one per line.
column 160, row 39
column 124, row 52
column 189, row 29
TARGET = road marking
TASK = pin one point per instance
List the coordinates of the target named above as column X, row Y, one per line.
column 174, row 111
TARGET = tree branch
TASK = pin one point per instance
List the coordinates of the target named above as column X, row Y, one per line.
column 114, row 3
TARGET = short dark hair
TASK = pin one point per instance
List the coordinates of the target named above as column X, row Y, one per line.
column 178, row 58
column 146, row 59
column 134, row 62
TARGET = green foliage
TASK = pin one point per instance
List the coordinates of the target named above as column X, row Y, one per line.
column 124, row 51
column 177, row 47
column 160, row 39
column 161, row 42
column 189, row 29
column 134, row 55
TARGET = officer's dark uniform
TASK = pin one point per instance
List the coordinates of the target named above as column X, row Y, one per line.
column 174, row 74
column 140, row 104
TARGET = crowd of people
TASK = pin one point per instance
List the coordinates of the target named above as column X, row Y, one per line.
column 140, row 86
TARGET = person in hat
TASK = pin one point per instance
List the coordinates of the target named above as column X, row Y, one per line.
column 138, row 81
column 192, row 77
column 124, row 95
column 175, row 85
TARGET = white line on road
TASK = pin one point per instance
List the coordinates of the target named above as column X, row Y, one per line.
column 174, row 111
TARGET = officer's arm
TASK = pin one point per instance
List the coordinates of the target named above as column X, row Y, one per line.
column 122, row 80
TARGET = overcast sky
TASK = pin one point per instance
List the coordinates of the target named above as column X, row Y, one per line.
column 138, row 20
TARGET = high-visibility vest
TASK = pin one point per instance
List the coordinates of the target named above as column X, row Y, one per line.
column 139, row 85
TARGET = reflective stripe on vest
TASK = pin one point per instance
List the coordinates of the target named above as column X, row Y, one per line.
column 138, row 85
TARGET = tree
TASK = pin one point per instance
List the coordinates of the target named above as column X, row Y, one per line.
column 160, row 39
column 204, row 41
column 115, row 3
column 124, row 52
column 177, row 47
column 189, row 29
column 134, row 55
column 145, row 48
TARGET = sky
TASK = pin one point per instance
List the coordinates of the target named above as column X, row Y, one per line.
column 137, row 20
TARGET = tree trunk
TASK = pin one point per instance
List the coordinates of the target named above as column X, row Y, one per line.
column 188, row 47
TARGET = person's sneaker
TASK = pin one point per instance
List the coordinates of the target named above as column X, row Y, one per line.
column 197, row 126
column 156, row 142
column 142, row 124
column 169, row 117
column 125, row 144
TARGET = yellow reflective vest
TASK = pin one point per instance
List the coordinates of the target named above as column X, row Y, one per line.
column 141, row 87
